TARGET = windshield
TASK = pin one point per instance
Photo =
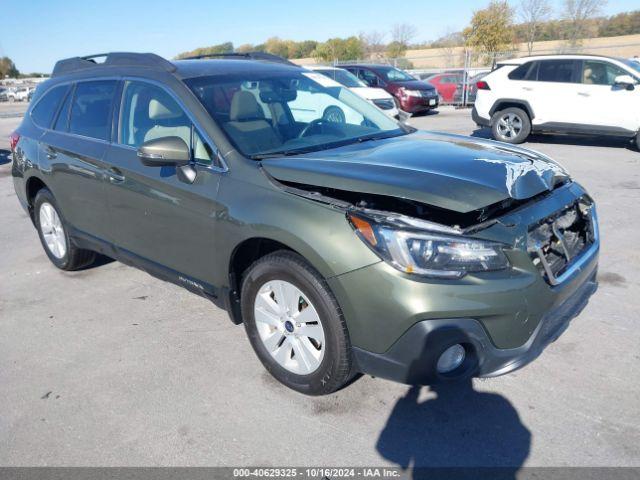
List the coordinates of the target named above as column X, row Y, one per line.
column 289, row 112
column 343, row 77
column 394, row 75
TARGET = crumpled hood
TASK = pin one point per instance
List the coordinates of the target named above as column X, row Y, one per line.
column 443, row 170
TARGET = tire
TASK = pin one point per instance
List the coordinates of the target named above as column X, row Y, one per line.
column 334, row 115
column 637, row 141
column 309, row 362
column 54, row 234
column 511, row 125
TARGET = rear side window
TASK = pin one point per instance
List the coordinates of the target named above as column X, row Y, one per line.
column 526, row 71
column 90, row 112
column 45, row 109
column 557, row 71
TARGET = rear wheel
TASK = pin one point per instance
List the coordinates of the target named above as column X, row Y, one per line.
column 54, row 235
column 511, row 125
column 295, row 325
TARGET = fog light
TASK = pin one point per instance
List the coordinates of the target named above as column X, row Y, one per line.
column 451, row 358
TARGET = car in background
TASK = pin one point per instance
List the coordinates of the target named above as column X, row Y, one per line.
column 574, row 94
column 471, row 87
column 30, row 94
column 19, row 94
column 379, row 97
column 3, row 95
column 446, row 84
column 411, row 95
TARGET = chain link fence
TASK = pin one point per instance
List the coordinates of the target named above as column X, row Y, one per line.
column 455, row 71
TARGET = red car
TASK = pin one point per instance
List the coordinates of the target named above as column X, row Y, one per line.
column 446, row 84
column 411, row 95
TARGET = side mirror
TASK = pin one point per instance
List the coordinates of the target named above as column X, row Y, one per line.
column 164, row 152
column 626, row 81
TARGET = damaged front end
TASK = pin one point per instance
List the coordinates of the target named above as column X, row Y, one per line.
column 416, row 238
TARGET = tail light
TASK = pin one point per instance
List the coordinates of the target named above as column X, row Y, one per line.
column 13, row 140
column 482, row 85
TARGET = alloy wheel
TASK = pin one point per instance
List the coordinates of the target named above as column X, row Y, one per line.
column 509, row 126
column 289, row 327
column 52, row 230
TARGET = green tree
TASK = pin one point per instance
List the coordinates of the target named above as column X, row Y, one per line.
column 226, row 47
column 277, row 46
column 491, row 29
column 339, row 49
column 8, row 68
column 396, row 49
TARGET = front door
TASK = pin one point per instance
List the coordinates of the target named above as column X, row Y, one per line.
column 156, row 216
column 603, row 104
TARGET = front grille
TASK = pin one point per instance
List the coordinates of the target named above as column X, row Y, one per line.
column 559, row 240
column 428, row 93
column 384, row 103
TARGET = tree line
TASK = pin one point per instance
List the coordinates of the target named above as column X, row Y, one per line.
column 494, row 28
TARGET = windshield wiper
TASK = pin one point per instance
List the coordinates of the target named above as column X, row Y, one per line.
column 279, row 153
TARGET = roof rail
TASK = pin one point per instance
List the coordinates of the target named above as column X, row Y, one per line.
column 267, row 57
column 113, row 59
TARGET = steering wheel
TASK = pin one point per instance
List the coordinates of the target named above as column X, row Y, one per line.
column 318, row 122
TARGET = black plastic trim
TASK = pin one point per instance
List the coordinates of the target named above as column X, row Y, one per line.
column 412, row 358
column 582, row 129
column 497, row 105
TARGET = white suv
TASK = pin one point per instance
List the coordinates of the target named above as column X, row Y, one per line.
column 578, row 94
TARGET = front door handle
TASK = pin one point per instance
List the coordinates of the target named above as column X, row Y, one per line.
column 51, row 153
column 528, row 89
column 115, row 175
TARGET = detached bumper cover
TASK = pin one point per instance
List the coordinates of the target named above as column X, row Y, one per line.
column 413, row 357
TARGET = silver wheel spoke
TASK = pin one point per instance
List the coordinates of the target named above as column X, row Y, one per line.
column 289, row 327
column 52, row 230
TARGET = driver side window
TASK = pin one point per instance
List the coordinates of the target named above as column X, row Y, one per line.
column 149, row 112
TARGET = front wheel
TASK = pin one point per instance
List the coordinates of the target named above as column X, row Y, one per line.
column 511, row 125
column 295, row 325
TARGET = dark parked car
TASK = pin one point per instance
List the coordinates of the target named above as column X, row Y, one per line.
column 348, row 246
column 411, row 95
column 3, row 95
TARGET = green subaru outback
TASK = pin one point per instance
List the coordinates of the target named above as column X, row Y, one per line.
column 346, row 242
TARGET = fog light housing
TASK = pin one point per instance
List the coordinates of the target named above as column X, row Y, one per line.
column 451, row 358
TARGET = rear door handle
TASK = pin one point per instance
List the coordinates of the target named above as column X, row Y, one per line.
column 115, row 175
column 528, row 89
column 51, row 153
column 584, row 94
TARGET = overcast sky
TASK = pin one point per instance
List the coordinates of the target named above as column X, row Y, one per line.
column 36, row 33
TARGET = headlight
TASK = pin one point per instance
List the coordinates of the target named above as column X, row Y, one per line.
column 413, row 93
column 428, row 253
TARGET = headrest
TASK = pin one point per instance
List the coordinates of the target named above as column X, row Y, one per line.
column 244, row 106
column 159, row 111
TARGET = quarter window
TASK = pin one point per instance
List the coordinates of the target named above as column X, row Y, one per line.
column 600, row 73
column 556, row 71
column 526, row 71
column 91, row 108
column 62, row 122
column 43, row 112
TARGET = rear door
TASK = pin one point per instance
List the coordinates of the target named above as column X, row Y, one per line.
column 159, row 218
column 602, row 103
column 553, row 95
column 73, row 151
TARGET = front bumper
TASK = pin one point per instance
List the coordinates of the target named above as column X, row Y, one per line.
column 418, row 104
column 413, row 357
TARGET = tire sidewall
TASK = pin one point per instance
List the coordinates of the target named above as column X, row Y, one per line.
column 526, row 125
column 45, row 196
column 317, row 382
